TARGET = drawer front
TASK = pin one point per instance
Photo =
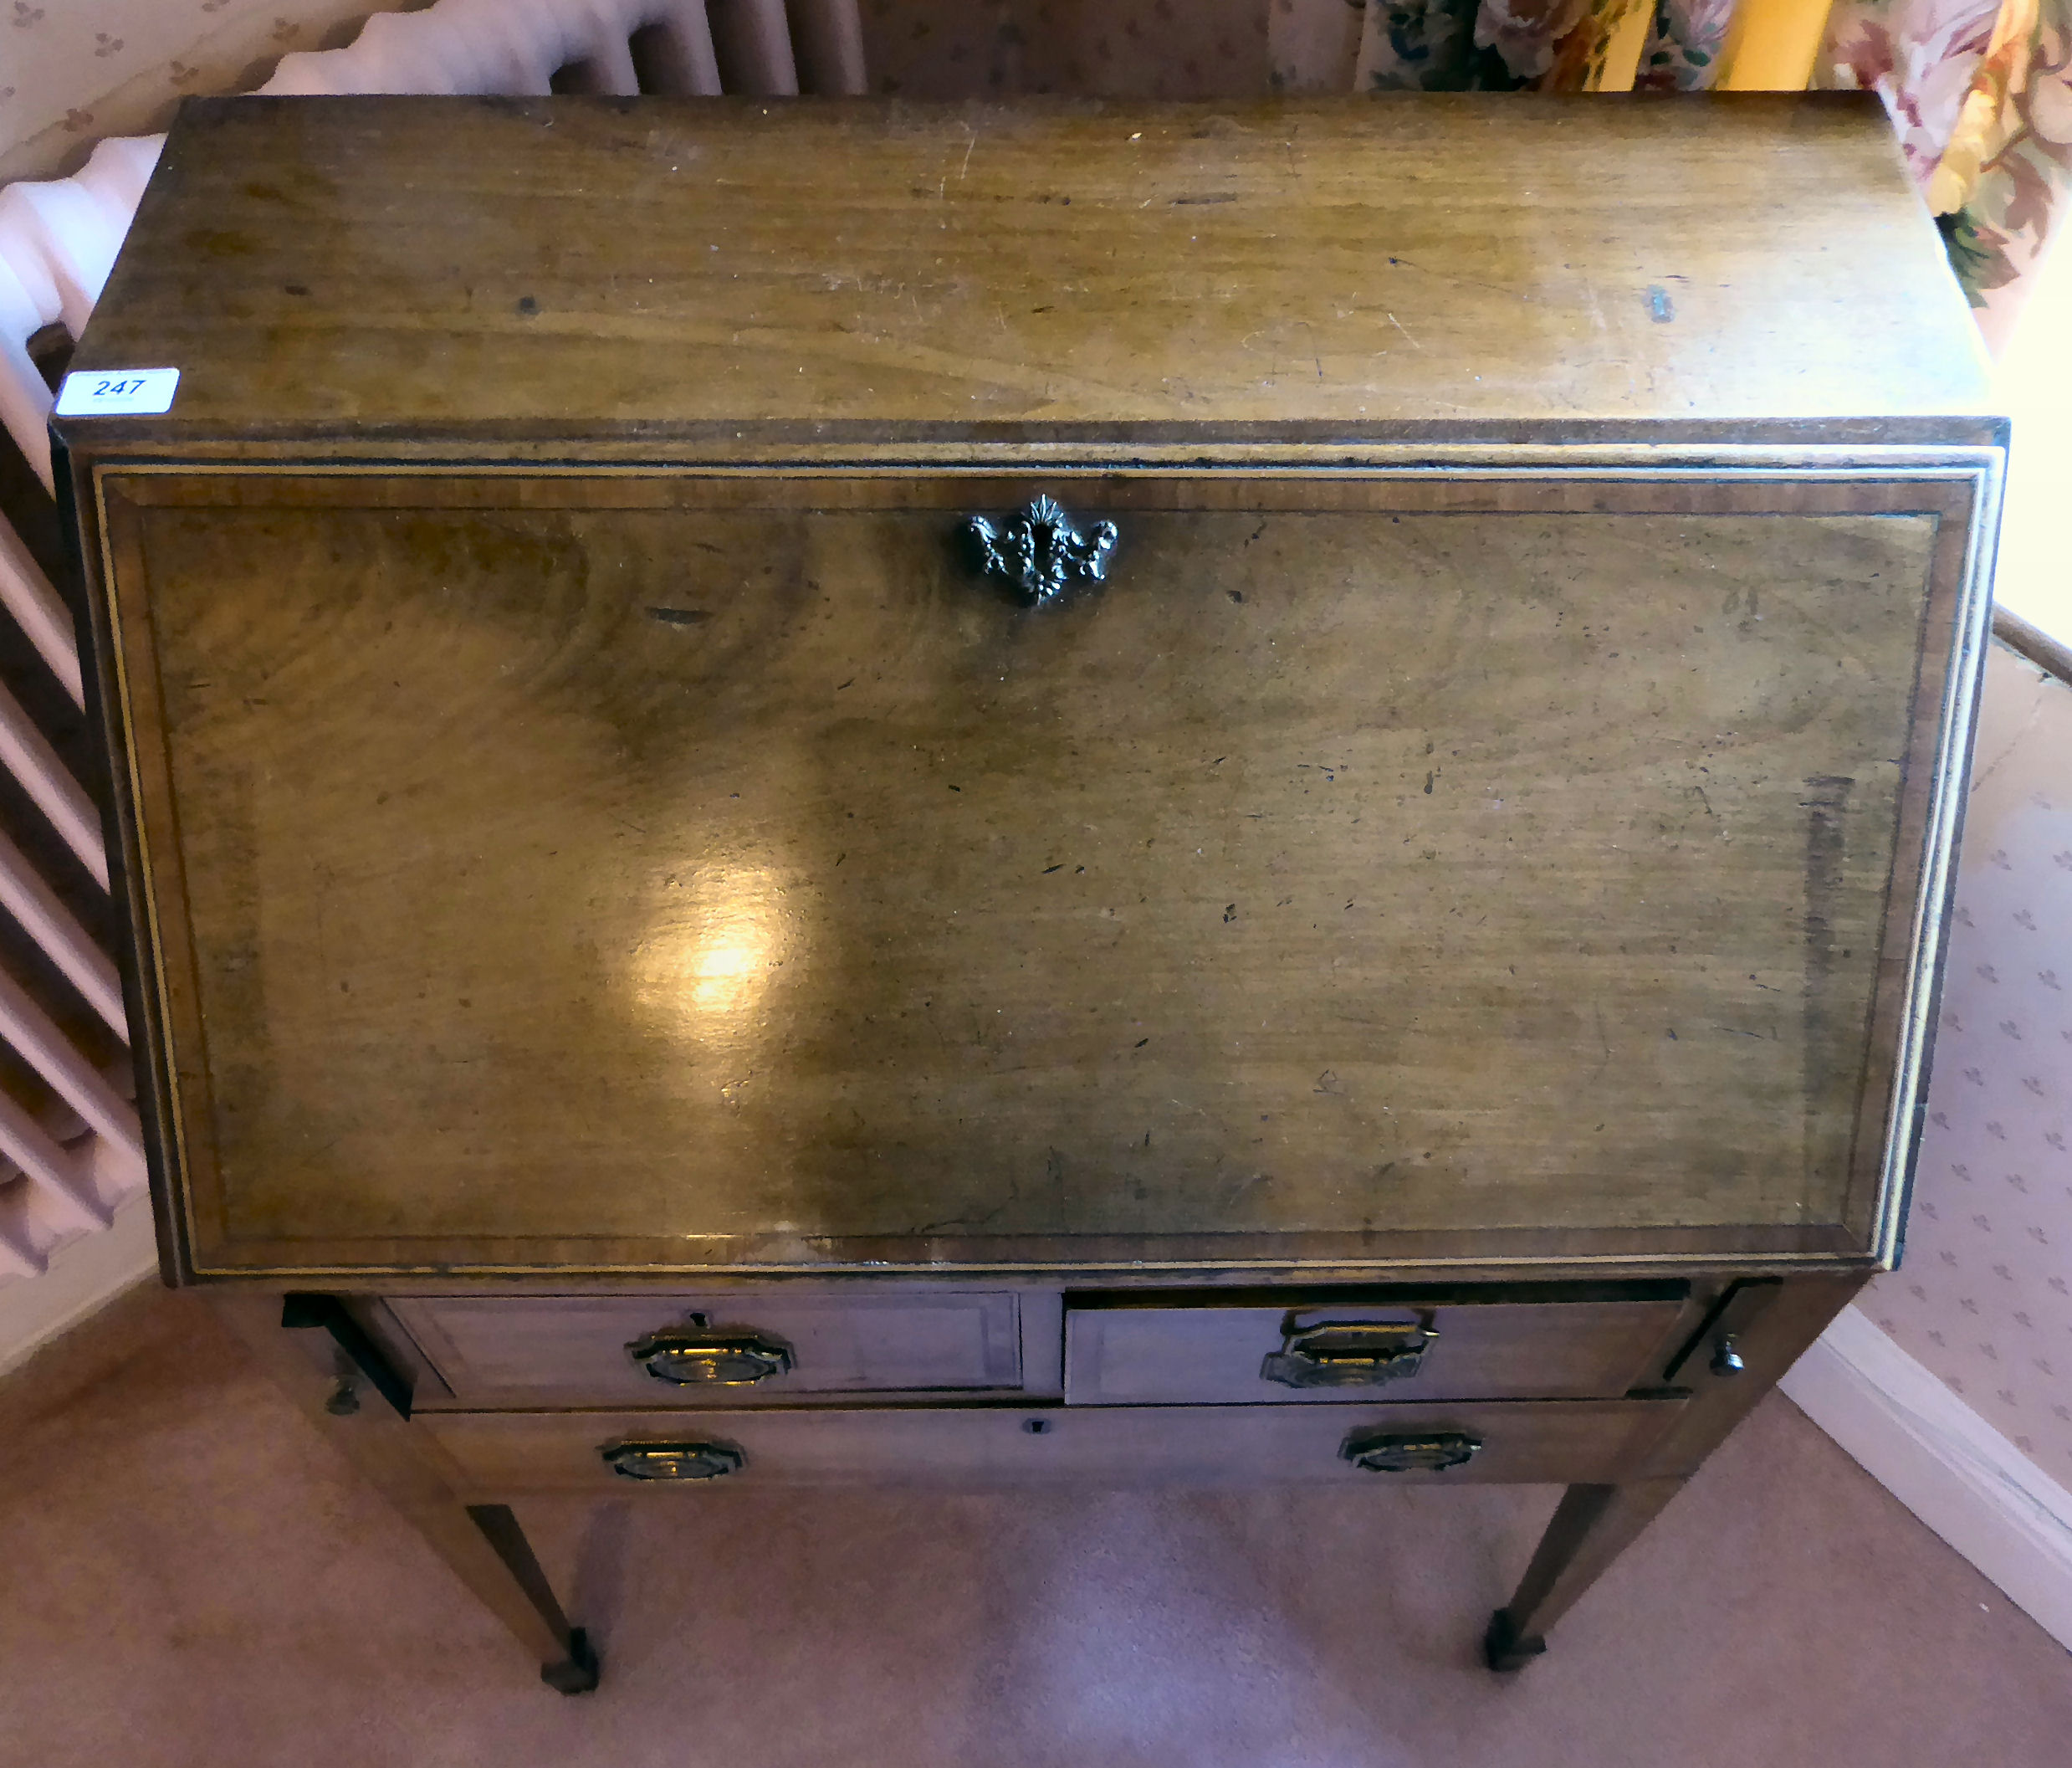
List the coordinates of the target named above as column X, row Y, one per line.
column 1591, row 1441
column 1126, row 1355
column 705, row 1350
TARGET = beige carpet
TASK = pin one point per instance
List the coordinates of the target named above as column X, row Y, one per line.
column 190, row 1579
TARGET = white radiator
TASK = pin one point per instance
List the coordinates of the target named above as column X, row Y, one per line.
column 69, row 1156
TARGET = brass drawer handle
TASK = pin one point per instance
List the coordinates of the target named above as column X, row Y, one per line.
column 1397, row 1452
column 1350, row 1353
column 672, row 1460
column 697, row 1356
column 1040, row 552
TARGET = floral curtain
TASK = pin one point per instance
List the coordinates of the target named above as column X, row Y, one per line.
column 1979, row 91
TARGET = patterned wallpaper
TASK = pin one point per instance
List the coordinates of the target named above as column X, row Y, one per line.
column 1984, row 1296
column 72, row 71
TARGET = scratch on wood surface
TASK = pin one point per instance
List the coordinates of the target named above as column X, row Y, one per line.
column 1406, row 330
column 1597, row 312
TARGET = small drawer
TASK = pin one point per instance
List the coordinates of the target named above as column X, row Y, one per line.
column 1563, row 1441
column 714, row 1350
column 1307, row 1352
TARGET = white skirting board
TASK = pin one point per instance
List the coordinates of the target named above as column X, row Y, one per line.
column 84, row 1276
column 1943, row 1462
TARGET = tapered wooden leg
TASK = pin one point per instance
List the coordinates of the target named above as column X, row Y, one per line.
column 1593, row 1522
column 1591, row 1526
column 577, row 1673
column 483, row 1544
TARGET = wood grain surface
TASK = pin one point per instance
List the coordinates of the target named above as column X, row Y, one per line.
column 1511, row 853
column 572, row 1350
column 589, row 835
column 742, row 875
column 1211, row 1356
column 642, row 268
column 1180, row 1446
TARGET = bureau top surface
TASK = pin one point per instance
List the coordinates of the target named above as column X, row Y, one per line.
column 643, row 269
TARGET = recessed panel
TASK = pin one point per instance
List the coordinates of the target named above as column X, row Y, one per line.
column 751, row 868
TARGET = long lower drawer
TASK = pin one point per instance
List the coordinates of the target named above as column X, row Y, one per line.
column 1558, row 1441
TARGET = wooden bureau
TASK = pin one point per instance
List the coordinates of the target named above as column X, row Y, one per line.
column 813, row 792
